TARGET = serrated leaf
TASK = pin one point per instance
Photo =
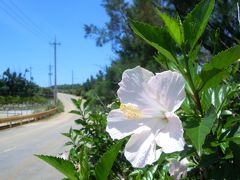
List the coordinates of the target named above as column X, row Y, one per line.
column 174, row 27
column 223, row 59
column 105, row 163
column 62, row 165
column 196, row 21
column 198, row 134
column 156, row 37
column 211, row 78
column 215, row 71
column 84, row 172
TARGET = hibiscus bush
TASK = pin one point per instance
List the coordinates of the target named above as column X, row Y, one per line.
column 180, row 123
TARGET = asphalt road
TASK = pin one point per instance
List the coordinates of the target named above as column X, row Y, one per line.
column 17, row 146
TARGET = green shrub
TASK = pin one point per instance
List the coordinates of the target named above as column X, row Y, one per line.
column 60, row 107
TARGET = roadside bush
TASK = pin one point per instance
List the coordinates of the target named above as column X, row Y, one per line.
column 60, row 106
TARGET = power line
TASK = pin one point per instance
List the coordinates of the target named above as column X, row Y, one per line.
column 17, row 17
column 29, row 19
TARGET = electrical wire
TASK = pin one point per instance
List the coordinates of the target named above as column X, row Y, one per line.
column 18, row 17
column 29, row 19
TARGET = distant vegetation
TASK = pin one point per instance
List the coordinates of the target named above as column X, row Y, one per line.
column 15, row 88
column 70, row 89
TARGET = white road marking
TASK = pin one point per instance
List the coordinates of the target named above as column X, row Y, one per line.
column 7, row 150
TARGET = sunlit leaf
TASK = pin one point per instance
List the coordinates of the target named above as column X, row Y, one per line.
column 196, row 21
column 156, row 37
column 105, row 163
column 62, row 165
column 223, row 59
column 174, row 27
column 215, row 96
column 149, row 175
column 216, row 70
column 84, row 172
column 198, row 134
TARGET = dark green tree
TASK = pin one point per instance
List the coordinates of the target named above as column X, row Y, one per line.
column 13, row 84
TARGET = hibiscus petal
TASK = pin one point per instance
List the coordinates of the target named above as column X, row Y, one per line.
column 167, row 89
column 133, row 87
column 170, row 139
column 178, row 169
column 119, row 126
column 141, row 150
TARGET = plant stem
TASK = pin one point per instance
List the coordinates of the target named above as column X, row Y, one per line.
column 196, row 97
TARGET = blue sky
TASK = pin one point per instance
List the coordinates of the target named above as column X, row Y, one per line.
column 23, row 45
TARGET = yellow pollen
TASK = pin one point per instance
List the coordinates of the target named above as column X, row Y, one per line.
column 130, row 111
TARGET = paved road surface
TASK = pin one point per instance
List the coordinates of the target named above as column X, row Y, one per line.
column 17, row 146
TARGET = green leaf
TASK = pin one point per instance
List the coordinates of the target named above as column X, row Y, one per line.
column 75, row 112
column 196, row 21
column 84, row 172
column 105, row 163
column 215, row 71
column 149, row 174
column 211, row 78
column 165, row 63
column 223, row 59
column 174, row 27
column 62, row 165
column 136, row 172
column 81, row 121
column 76, row 102
column 198, row 134
column 215, row 96
column 156, row 37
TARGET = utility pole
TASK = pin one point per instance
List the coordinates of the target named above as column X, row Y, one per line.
column 72, row 79
column 50, row 75
column 55, row 44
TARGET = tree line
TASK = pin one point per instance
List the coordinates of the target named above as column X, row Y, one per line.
column 15, row 88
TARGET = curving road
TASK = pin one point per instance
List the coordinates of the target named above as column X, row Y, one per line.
column 17, row 145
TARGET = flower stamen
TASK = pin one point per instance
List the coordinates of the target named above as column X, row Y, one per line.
column 130, row 112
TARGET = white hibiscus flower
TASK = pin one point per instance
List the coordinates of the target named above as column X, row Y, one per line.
column 148, row 103
column 178, row 169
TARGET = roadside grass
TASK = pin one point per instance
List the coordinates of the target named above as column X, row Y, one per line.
column 60, row 106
